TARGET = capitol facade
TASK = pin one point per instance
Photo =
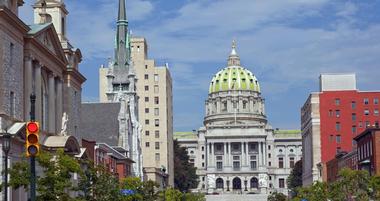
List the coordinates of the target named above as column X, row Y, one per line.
column 237, row 151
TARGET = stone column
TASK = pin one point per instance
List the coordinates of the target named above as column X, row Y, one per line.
column 240, row 105
column 38, row 91
column 212, row 155
column 59, row 105
column 247, row 154
column 225, row 155
column 260, row 154
column 265, row 154
column 217, row 105
column 229, row 105
column 243, row 154
column 51, row 98
column 28, row 87
column 251, row 105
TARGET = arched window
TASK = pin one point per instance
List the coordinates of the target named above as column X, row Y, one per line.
column 219, row 183
column 254, row 182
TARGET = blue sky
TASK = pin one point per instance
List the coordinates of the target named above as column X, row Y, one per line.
column 285, row 43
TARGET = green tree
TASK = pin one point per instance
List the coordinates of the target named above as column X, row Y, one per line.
column 275, row 196
column 316, row 192
column 185, row 176
column 374, row 187
column 194, row 197
column 295, row 178
column 170, row 194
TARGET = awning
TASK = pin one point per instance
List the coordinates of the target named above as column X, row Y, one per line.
column 68, row 143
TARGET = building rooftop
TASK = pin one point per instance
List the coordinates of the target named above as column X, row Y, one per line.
column 287, row 133
column 184, row 135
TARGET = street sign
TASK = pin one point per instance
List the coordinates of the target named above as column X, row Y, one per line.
column 127, row 192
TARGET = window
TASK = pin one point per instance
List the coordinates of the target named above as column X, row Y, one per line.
column 147, row 133
column 156, row 77
column 11, row 54
column 146, row 99
column 281, row 183
column 146, row 66
column 338, row 139
column 366, row 112
column 291, row 162
column 353, row 105
column 268, row 147
column 280, row 162
column 156, row 100
column 376, row 112
column 157, row 145
column 146, row 121
column 203, row 156
column 219, row 165
column 157, row 134
column 360, row 124
column 12, row 103
column 156, row 122
column 253, row 165
column 146, row 144
column 337, row 113
column 269, row 155
column 244, row 104
column 269, row 164
column 337, row 126
column 63, row 25
column 156, row 111
column 353, row 117
column 366, row 101
column 353, row 129
column 146, row 76
column 375, row 101
column 203, row 148
column 337, row 101
column 338, row 150
column 146, row 88
column 236, row 157
column 203, row 164
column 236, row 165
column 330, row 113
column 156, row 89
column 367, row 124
column 224, row 108
column 146, row 110
column 331, row 139
column 157, row 156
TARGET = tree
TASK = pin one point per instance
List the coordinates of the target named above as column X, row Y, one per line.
column 170, row 194
column 316, row 192
column 295, row 178
column 275, row 196
column 194, row 197
column 185, row 176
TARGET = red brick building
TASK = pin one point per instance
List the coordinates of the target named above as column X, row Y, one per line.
column 331, row 118
column 368, row 150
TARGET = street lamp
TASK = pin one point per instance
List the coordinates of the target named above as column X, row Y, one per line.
column 6, row 147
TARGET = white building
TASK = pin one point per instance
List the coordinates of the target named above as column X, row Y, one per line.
column 237, row 151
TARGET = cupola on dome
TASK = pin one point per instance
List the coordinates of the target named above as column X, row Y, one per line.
column 234, row 76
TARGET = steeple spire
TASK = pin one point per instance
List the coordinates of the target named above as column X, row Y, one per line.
column 122, row 38
column 233, row 59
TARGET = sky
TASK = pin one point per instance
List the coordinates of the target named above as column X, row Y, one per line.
column 287, row 44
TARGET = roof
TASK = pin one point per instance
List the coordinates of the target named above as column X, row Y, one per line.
column 69, row 143
column 366, row 132
column 99, row 122
column 184, row 135
column 35, row 28
column 287, row 133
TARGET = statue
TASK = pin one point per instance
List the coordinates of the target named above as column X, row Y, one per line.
column 65, row 118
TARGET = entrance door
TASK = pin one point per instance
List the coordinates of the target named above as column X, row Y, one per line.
column 236, row 183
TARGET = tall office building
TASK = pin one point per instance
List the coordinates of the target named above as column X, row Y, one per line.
column 331, row 118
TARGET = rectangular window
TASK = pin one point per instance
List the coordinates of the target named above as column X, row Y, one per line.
column 203, row 164
column 376, row 124
column 366, row 101
column 331, row 139
column 253, row 165
column 203, row 156
column 376, row 112
column 268, row 147
column 337, row 101
column 269, row 155
column 337, row 113
column 337, row 126
column 353, row 129
column 157, row 122
column 156, row 77
column 146, row 121
column 157, row 134
column 12, row 103
column 146, row 66
column 360, row 124
column 244, row 104
column 236, row 165
column 236, row 157
column 270, row 164
column 219, row 165
column 156, row 100
column 157, row 145
column 146, row 88
column 280, row 162
column 146, row 144
column 156, row 111
column 281, row 183
column 291, row 162
column 338, row 139
column 353, row 117
column 156, row 89
column 367, row 124
column 146, row 76
column 157, row 156
column 147, row 133
column 146, row 99
column 146, row 110
column 375, row 101
column 366, row 112
column 353, row 105
column 330, row 113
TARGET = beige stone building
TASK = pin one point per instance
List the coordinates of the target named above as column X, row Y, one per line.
column 155, row 111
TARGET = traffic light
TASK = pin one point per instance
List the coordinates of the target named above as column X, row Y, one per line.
column 32, row 137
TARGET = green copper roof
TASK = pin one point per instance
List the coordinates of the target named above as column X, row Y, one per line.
column 184, row 135
column 234, row 78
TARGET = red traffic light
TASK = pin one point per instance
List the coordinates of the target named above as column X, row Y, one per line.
column 32, row 127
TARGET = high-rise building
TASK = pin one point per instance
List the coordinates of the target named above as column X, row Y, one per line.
column 118, row 84
column 331, row 118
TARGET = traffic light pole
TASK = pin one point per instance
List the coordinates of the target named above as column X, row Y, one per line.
column 32, row 158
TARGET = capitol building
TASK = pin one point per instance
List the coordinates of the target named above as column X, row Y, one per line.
column 237, row 150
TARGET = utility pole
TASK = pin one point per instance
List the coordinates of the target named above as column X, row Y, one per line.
column 32, row 158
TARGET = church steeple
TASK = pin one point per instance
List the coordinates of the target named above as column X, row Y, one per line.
column 122, row 51
column 233, row 59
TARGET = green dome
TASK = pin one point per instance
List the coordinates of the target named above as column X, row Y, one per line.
column 234, row 78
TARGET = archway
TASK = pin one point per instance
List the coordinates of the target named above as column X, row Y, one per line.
column 254, row 182
column 219, row 183
column 236, row 183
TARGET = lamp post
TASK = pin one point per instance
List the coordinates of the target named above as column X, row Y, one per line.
column 6, row 147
